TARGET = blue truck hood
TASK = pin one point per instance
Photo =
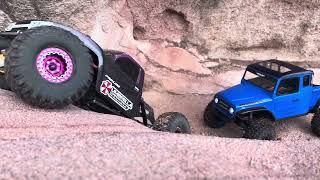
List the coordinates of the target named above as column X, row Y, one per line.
column 244, row 93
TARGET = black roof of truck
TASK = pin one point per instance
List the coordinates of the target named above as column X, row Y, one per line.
column 276, row 68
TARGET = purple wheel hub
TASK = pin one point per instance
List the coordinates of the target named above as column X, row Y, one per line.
column 54, row 65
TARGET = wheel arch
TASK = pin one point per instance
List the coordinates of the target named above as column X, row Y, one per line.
column 315, row 109
column 262, row 111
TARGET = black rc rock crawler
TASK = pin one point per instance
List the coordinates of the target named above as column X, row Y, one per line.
column 50, row 65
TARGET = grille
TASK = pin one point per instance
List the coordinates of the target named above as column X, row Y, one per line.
column 223, row 105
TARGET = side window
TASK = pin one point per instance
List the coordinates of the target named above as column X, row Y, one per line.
column 306, row 80
column 288, row 86
column 130, row 68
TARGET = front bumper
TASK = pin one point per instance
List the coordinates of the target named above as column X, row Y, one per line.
column 222, row 114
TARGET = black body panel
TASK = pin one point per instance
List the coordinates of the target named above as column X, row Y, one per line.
column 123, row 93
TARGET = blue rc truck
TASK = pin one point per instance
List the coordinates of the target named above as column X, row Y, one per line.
column 269, row 91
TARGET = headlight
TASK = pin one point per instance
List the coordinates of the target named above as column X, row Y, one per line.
column 231, row 110
column 216, row 100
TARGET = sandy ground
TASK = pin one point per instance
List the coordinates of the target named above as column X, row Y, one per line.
column 72, row 143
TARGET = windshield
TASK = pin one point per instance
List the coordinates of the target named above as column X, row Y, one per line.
column 260, row 80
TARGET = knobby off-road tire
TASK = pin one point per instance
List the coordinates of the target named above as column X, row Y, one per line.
column 173, row 122
column 4, row 44
column 315, row 124
column 82, row 102
column 48, row 67
column 210, row 119
column 261, row 129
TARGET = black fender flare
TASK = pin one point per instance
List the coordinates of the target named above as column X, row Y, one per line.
column 255, row 109
column 315, row 109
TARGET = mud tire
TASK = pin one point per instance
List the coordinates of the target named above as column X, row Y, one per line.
column 173, row 122
column 261, row 129
column 25, row 80
column 210, row 119
column 315, row 124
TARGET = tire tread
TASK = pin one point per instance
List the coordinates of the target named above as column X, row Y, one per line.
column 30, row 94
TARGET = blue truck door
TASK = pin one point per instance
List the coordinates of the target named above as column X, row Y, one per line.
column 306, row 92
column 288, row 99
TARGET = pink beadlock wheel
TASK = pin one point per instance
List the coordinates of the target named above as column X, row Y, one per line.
column 54, row 65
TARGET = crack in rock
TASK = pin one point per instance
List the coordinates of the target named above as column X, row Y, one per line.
column 158, row 65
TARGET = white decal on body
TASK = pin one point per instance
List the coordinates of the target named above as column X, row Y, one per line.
column 109, row 90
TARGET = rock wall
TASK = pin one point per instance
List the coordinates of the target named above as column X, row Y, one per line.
column 188, row 41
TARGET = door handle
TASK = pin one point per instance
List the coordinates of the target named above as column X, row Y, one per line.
column 295, row 100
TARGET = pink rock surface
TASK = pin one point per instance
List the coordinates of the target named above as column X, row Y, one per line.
column 73, row 143
column 179, row 59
